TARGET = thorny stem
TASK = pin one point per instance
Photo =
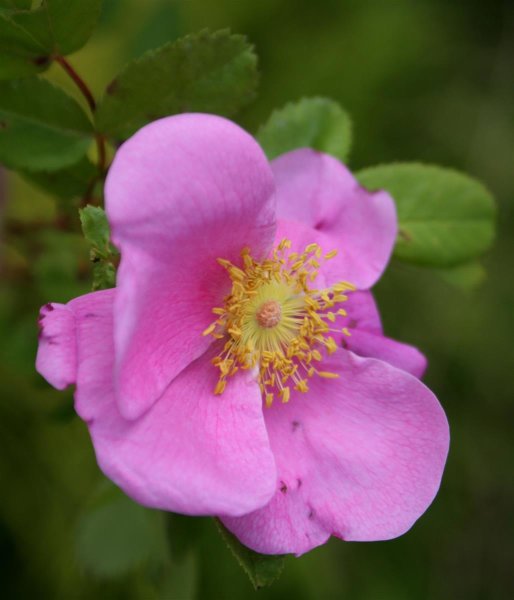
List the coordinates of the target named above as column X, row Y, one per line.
column 86, row 92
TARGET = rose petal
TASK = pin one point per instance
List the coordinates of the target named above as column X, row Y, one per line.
column 61, row 359
column 181, row 192
column 319, row 192
column 192, row 452
column 344, row 266
column 56, row 357
column 400, row 355
column 360, row 457
column 362, row 313
column 367, row 338
column 94, row 347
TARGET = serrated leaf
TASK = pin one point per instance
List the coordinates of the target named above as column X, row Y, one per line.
column 116, row 535
column 41, row 127
column 66, row 183
column 205, row 72
column 317, row 123
column 96, row 231
column 445, row 217
column 104, row 275
column 30, row 38
column 262, row 569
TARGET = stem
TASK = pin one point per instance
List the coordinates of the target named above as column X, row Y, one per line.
column 86, row 198
column 100, row 145
column 79, row 82
column 86, row 92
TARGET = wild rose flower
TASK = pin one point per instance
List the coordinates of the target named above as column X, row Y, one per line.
column 239, row 369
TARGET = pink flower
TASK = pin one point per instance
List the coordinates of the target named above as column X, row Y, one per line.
column 309, row 434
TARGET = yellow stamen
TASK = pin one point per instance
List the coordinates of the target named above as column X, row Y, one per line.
column 285, row 394
column 220, row 386
column 327, row 374
column 209, row 329
column 274, row 322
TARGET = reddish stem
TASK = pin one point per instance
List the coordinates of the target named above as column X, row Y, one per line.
column 86, row 92
column 79, row 82
column 100, row 145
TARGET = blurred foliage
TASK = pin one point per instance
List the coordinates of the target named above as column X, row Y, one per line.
column 30, row 36
column 205, row 72
column 96, row 231
column 116, row 535
column 428, row 81
column 42, row 128
column 317, row 123
column 444, row 217
column 262, row 569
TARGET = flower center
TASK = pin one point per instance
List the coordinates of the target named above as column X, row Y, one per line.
column 268, row 315
column 274, row 322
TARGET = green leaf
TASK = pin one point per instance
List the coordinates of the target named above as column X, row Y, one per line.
column 66, row 183
column 445, row 217
column 116, row 535
column 30, row 38
column 96, row 231
column 41, row 127
column 71, row 22
column 262, row 569
column 24, row 43
column 317, row 123
column 104, row 275
column 206, row 72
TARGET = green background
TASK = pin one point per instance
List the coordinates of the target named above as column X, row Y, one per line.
column 424, row 80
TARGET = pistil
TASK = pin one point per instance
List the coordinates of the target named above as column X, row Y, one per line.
column 269, row 314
